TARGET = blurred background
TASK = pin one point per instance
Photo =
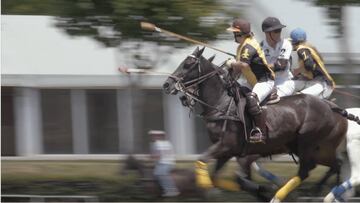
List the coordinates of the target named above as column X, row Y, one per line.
column 61, row 92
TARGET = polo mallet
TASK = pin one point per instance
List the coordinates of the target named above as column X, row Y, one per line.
column 152, row 27
column 140, row 71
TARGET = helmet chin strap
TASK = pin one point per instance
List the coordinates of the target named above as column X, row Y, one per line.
column 271, row 38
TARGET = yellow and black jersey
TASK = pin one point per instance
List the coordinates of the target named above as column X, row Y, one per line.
column 251, row 53
column 311, row 63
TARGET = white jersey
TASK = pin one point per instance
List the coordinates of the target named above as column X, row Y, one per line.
column 164, row 149
column 282, row 50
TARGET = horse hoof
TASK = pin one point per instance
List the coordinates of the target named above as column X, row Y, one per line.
column 275, row 200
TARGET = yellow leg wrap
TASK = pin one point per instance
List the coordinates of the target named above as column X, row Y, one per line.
column 227, row 185
column 202, row 175
column 288, row 187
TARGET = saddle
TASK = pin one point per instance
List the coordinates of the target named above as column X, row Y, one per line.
column 272, row 98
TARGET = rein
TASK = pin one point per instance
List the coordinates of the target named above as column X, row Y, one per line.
column 184, row 87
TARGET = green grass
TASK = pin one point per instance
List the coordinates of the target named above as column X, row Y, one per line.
column 103, row 179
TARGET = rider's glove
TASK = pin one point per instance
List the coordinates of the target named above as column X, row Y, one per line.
column 229, row 62
column 278, row 67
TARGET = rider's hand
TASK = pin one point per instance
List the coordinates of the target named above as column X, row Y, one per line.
column 278, row 66
column 271, row 66
column 296, row 71
column 229, row 62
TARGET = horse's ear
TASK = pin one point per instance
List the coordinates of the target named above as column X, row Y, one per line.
column 196, row 51
column 212, row 58
column 200, row 52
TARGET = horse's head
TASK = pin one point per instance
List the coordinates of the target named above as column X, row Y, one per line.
column 187, row 73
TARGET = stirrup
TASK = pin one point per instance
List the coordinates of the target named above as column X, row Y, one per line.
column 256, row 136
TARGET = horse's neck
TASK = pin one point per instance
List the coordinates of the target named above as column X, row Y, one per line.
column 213, row 92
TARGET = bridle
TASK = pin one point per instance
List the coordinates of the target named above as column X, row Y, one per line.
column 190, row 88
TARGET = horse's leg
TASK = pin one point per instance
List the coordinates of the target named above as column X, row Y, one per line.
column 201, row 167
column 250, row 161
column 245, row 165
column 353, row 148
column 244, row 177
column 253, row 188
column 266, row 174
column 220, row 183
column 335, row 169
column 307, row 163
column 220, row 162
column 324, row 179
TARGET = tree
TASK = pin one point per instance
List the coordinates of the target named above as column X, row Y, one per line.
column 114, row 23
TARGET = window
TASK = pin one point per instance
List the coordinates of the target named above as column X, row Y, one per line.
column 148, row 115
column 102, row 121
column 57, row 123
column 7, row 122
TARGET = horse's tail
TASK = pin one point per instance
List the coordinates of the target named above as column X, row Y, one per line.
column 343, row 112
column 346, row 114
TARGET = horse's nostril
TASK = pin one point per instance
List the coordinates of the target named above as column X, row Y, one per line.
column 166, row 85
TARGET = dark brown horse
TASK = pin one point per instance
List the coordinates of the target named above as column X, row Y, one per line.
column 301, row 124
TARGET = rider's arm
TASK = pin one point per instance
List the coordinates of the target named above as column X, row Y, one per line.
column 244, row 60
column 284, row 56
column 296, row 71
column 305, row 56
column 243, row 64
column 238, row 66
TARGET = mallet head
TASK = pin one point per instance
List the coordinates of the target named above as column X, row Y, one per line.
column 147, row 26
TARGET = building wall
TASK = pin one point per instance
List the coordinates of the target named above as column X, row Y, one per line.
column 90, row 121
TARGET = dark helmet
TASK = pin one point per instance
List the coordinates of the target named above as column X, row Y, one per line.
column 271, row 24
column 240, row 25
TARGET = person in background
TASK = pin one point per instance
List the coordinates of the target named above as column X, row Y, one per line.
column 163, row 155
column 311, row 77
column 251, row 63
column 278, row 55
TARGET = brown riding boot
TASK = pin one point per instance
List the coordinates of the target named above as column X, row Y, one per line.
column 254, row 109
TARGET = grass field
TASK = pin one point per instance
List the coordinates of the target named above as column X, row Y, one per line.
column 103, row 179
